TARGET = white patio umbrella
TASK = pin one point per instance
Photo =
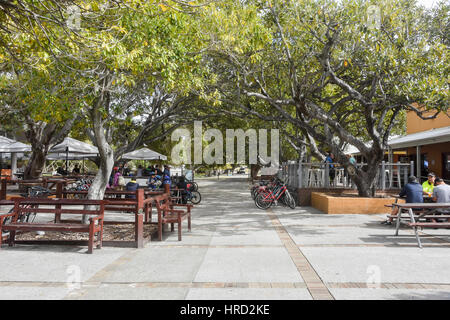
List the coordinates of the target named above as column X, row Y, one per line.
column 15, row 148
column 12, row 146
column 73, row 148
column 144, row 154
column 70, row 156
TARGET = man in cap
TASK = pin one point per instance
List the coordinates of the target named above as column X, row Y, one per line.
column 428, row 185
column 412, row 191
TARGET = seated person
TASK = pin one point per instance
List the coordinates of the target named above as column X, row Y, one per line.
column 154, row 182
column 441, row 194
column 413, row 192
column 61, row 171
column 428, row 185
column 76, row 170
column 183, row 186
column 131, row 186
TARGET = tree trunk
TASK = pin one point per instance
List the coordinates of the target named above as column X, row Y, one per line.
column 98, row 187
column 366, row 179
column 42, row 136
column 36, row 163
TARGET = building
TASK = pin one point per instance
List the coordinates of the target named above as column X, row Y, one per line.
column 427, row 143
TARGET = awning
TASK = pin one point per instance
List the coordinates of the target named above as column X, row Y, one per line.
column 70, row 156
column 144, row 154
column 12, row 146
column 74, row 146
column 433, row 136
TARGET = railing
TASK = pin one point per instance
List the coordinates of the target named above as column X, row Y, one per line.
column 317, row 175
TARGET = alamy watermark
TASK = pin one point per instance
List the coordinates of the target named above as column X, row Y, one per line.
column 374, row 279
column 73, row 281
column 213, row 151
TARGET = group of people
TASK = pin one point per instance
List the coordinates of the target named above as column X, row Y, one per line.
column 61, row 171
column 434, row 189
column 157, row 178
column 145, row 172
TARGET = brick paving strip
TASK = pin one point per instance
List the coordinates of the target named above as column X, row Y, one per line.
column 314, row 283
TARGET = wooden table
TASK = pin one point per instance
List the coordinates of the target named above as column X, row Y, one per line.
column 427, row 210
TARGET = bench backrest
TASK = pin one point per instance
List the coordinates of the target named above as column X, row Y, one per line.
column 163, row 202
column 58, row 206
column 111, row 197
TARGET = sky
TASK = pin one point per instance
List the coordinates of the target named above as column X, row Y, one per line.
column 427, row 3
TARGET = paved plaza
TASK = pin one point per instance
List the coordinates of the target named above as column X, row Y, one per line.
column 236, row 251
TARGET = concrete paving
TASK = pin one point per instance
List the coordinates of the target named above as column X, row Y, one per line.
column 236, row 251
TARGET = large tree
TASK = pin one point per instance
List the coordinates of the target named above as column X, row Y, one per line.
column 331, row 70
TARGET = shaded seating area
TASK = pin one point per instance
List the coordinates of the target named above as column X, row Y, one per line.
column 58, row 207
column 117, row 209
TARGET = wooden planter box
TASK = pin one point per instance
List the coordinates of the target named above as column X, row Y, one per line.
column 330, row 204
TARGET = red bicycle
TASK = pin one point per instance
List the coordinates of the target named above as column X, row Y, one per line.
column 279, row 192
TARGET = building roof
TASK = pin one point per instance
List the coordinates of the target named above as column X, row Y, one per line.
column 433, row 136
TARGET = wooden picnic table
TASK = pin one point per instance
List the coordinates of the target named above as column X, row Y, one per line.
column 427, row 210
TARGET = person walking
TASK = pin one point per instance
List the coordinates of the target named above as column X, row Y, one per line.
column 332, row 171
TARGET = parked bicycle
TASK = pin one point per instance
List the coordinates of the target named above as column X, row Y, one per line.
column 80, row 185
column 193, row 197
column 273, row 193
column 33, row 192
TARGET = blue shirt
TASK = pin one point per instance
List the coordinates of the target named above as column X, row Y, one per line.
column 413, row 193
column 329, row 160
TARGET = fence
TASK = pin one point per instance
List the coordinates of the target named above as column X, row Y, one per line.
column 331, row 175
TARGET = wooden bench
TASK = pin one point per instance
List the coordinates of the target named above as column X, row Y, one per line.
column 426, row 211
column 167, row 214
column 138, row 202
column 57, row 207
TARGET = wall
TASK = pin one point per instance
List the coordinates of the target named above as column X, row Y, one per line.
column 304, row 194
column 350, row 205
column 415, row 124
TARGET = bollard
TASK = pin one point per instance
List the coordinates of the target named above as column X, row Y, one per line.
column 139, row 229
column 167, row 188
column 3, row 189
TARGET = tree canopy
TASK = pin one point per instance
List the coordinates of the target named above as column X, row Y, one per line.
column 125, row 73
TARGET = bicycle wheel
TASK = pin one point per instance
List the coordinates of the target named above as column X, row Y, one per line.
column 289, row 200
column 196, row 197
column 261, row 202
column 254, row 193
